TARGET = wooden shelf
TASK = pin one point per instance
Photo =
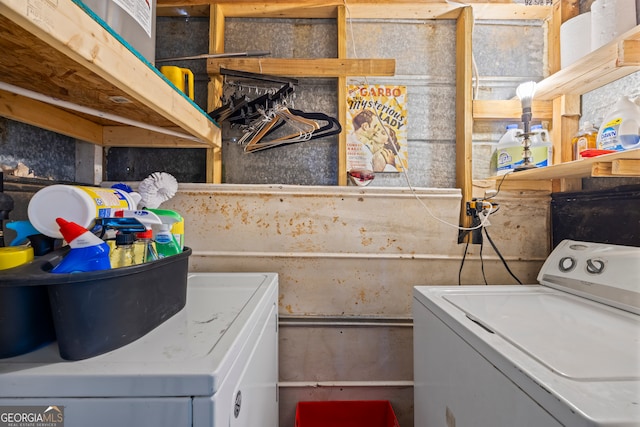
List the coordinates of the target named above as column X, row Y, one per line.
column 63, row 71
column 624, row 163
column 611, row 62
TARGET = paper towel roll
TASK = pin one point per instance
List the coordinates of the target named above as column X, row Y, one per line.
column 575, row 39
column 609, row 19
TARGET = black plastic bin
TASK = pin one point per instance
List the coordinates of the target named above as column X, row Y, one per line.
column 100, row 311
column 25, row 319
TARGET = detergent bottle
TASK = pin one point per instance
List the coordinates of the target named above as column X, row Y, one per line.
column 166, row 244
column 88, row 251
column 620, row 129
column 508, row 151
column 176, row 222
column 541, row 146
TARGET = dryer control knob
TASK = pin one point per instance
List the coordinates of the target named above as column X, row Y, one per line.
column 595, row 266
column 567, row 264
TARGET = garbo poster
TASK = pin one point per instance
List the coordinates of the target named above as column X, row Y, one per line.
column 377, row 128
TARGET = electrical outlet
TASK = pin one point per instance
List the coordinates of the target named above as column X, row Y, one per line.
column 474, row 208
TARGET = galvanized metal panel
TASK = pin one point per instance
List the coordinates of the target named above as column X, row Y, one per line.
column 597, row 104
column 47, row 155
column 353, row 251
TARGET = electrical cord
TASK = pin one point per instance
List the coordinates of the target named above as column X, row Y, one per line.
column 484, row 277
column 504, row 262
column 464, row 256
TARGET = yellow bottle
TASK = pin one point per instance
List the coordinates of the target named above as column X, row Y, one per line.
column 585, row 139
column 124, row 255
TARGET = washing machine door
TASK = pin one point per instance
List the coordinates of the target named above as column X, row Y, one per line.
column 572, row 337
column 578, row 358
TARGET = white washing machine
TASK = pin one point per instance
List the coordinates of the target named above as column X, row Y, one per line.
column 213, row 364
column 565, row 352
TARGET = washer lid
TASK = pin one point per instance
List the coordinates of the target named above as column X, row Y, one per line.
column 571, row 336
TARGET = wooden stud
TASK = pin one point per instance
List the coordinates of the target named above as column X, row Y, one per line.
column 566, row 117
column 342, row 97
column 464, row 110
column 216, row 45
column 562, row 10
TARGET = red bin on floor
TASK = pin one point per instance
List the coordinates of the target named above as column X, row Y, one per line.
column 346, row 413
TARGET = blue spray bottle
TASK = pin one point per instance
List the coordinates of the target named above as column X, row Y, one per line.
column 88, row 251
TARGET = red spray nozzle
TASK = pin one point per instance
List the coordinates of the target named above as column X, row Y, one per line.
column 69, row 229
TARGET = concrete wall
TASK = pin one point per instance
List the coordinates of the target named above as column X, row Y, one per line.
column 347, row 259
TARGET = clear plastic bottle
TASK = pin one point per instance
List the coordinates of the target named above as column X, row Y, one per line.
column 585, row 139
column 124, row 255
column 145, row 247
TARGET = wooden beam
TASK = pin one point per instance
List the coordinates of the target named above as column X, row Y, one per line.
column 36, row 113
column 125, row 136
column 342, row 97
column 308, row 67
column 359, row 9
column 200, row 10
column 566, row 118
column 510, row 110
column 601, row 169
column 215, row 88
column 562, row 11
column 625, row 167
column 464, row 110
column 629, row 53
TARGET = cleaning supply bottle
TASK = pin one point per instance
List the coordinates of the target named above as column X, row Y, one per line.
column 80, row 204
column 166, row 244
column 585, row 139
column 508, row 152
column 88, row 252
column 541, row 146
column 620, row 129
column 176, row 222
column 144, row 246
column 13, row 256
column 124, row 255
